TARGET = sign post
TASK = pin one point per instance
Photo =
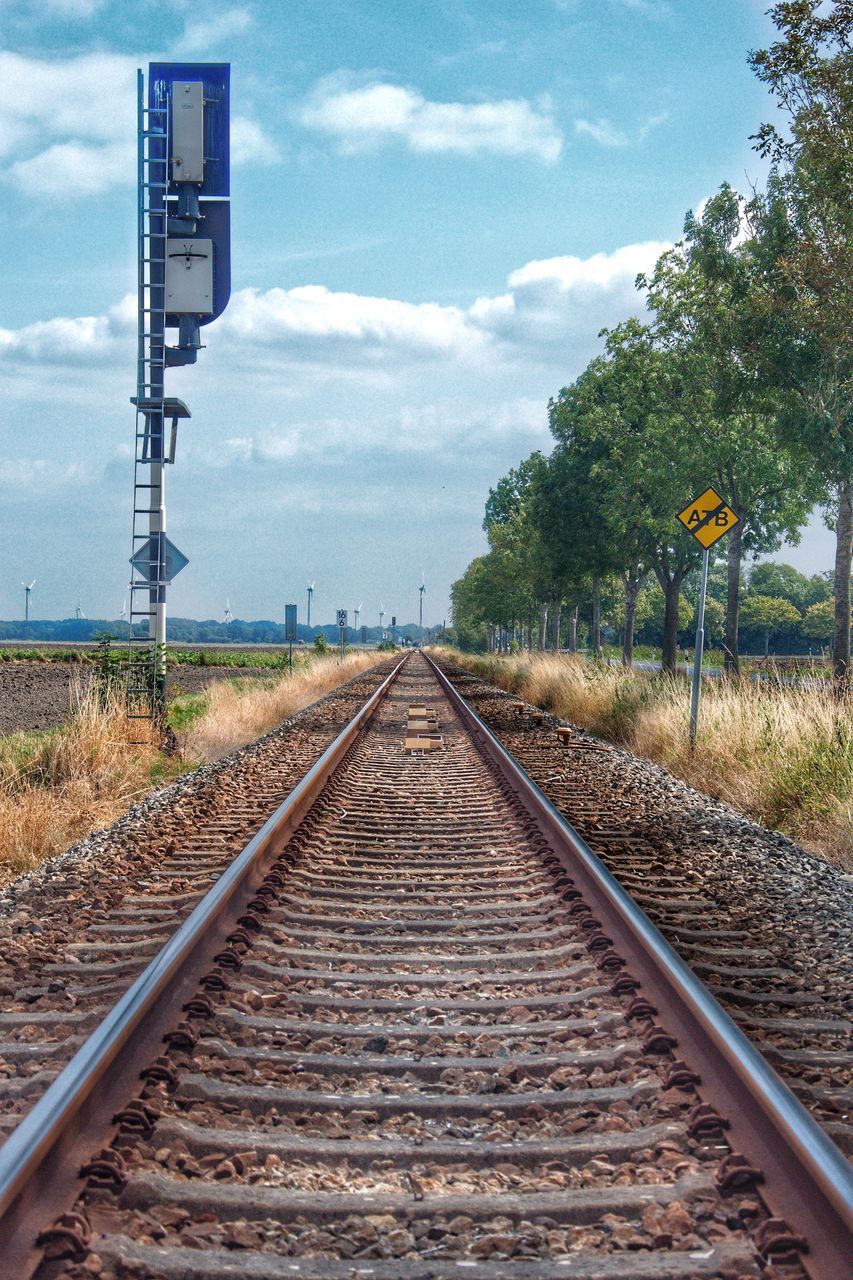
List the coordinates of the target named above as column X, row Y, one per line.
column 342, row 627
column 290, row 630
column 708, row 518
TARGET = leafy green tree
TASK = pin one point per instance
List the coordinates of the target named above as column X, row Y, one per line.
column 517, row 523
column 801, row 302
column 768, row 615
column 782, row 580
column 638, row 462
column 819, row 621
column 697, row 291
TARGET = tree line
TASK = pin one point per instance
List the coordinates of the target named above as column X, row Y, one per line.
column 739, row 376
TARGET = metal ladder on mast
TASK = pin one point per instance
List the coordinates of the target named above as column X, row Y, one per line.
column 144, row 664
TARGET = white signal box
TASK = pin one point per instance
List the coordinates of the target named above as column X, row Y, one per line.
column 188, row 131
column 189, row 277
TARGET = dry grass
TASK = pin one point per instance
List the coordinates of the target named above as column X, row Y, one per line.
column 235, row 714
column 781, row 755
column 57, row 787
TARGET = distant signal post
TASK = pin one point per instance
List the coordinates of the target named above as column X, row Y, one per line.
column 290, row 630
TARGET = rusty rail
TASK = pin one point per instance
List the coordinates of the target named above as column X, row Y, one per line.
column 807, row 1183
column 44, row 1152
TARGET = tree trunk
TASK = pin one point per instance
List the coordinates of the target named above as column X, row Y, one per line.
column 843, row 556
column 555, row 625
column 573, row 630
column 595, row 638
column 669, row 653
column 543, row 625
column 632, row 587
column 731, row 663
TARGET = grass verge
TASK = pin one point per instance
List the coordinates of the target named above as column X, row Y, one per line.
column 781, row 754
column 60, row 785
column 238, row 711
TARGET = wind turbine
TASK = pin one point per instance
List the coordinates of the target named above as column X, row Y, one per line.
column 123, row 614
column 78, row 613
column 421, row 590
column 357, row 612
column 381, row 614
column 310, row 598
column 228, row 614
column 27, row 590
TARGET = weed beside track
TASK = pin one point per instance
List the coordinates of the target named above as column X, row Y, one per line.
column 59, row 785
column 780, row 754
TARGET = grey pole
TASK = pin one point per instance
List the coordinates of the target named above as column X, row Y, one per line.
column 697, row 657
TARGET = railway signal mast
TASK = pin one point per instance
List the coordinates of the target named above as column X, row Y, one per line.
column 184, row 282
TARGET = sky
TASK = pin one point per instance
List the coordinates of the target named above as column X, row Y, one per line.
column 436, row 207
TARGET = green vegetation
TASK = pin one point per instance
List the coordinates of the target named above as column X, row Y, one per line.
column 44, row 655
column 782, row 755
column 740, row 378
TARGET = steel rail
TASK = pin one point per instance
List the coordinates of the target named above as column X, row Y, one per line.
column 806, row 1179
column 48, row 1145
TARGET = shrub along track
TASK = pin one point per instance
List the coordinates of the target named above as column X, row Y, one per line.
column 766, row 926
column 419, row 1048
column 76, row 932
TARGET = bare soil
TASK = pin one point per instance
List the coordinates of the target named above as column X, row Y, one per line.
column 40, row 696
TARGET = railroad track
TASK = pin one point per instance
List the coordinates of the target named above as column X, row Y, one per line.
column 416, row 1030
column 770, row 942
column 74, row 935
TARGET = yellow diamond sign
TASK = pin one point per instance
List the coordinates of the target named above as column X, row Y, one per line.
column 708, row 517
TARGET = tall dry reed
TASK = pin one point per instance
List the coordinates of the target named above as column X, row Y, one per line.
column 780, row 754
column 235, row 714
column 58, row 786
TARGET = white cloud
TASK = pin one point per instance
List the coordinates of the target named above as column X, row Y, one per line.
column 75, row 169
column 600, row 271
column 249, row 143
column 606, row 134
column 70, row 123
column 551, row 306
column 602, row 132
column 91, row 96
column 71, row 340
column 362, row 117
column 313, row 315
column 39, row 475
column 202, row 34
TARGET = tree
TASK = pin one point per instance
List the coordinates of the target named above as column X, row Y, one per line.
column 697, row 291
column 639, row 461
column 769, row 614
column 819, row 621
column 781, row 580
column 519, row 528
column 801, row 308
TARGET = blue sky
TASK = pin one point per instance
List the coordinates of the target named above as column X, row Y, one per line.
column 436, row 207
